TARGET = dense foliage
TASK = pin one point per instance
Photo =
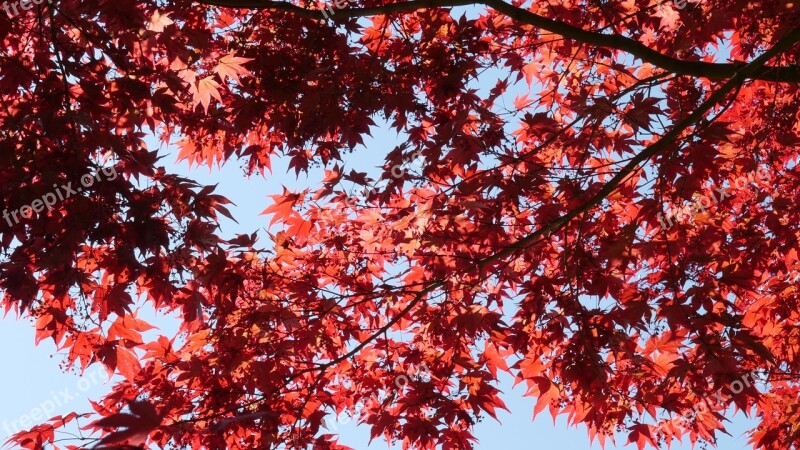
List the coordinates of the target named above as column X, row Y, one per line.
column 603, row 206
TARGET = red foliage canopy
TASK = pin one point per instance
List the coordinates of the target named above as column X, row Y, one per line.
column 548, row 239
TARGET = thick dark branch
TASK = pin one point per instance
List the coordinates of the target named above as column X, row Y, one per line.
column 702, row 69
column 668, row 139
column 643, row 52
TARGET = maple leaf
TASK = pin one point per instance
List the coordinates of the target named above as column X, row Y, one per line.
column 136, row 426
column 642, row 436
column 231, row 66
column 158, row 21
column 670, row 17
column 205, row 89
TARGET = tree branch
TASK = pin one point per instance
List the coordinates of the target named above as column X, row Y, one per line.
column 670, row 137
column 713, row 71
column 718, row 96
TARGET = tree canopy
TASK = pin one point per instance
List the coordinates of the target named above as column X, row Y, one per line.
column 596, row 197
